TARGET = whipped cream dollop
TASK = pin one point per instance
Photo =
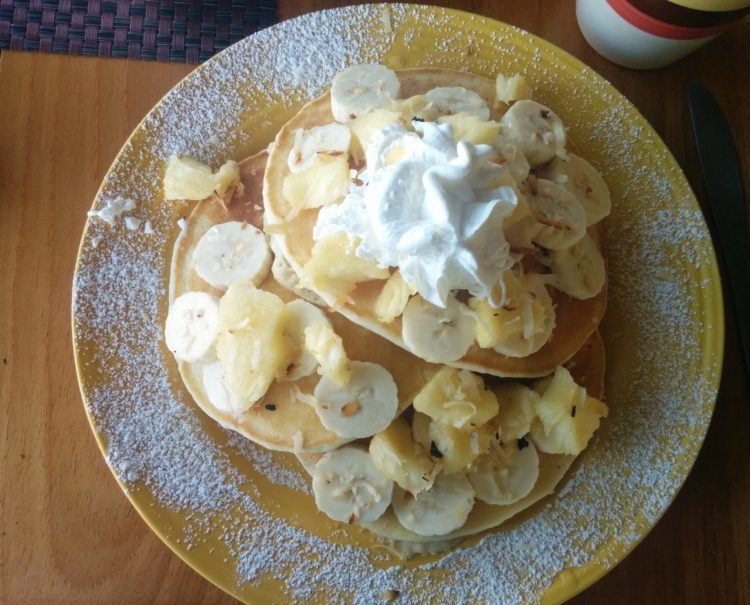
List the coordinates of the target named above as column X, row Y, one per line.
column 431, row 206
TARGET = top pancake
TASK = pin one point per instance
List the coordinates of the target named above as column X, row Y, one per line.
column 276, row 429
column 576, row 319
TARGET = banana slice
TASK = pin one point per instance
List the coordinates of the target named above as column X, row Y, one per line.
column 360, row 88
column 349, row 488
column 192, row 327
column 437, row 511
column 506, row 473
column 302, row 314
column 364, row 406
column 231, row 251
column 219, row 394
column 579, row 270
column 523, row 323
column 400, row 458
column 582, row 180
column 535, row 130
column 331, row 138
column 449, row 100
column 435, row 334
column 561, row 217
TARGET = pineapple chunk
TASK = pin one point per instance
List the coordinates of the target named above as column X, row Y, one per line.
column 455, row 450
column 513, row 88
column 252, row 345
column 325, row 181
column 335, row 269
column 420, row 429
column 521, row 211
column 328, row 349
column 490, row 322
column 516, row 410
column 522, row 324
column 367, row 125
column 392, row 299
column 457, row 398
column 400, row 458
column 416, row 107
column 187, row 179
column 567, row 416
column 471, row 128
column 227, row 177
column 520, row 226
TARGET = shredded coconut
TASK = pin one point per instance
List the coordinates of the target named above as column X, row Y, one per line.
column 132, row 222
column 112, row 209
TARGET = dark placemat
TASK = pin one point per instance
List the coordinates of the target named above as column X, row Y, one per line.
column 187, row 31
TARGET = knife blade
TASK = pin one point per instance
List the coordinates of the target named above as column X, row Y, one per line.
column 722, row 175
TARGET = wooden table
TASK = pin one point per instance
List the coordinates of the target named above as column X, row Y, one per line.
column 68, row 535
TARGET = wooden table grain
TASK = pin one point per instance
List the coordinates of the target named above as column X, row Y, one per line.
column 68, row 535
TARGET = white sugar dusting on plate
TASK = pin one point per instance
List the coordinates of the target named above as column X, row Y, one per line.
column 264, row 461
column 156, row 437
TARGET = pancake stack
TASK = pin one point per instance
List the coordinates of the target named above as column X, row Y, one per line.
column 475, row 434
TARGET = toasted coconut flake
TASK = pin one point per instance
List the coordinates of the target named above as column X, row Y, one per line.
column 298, row 441
column 304, row 397
column 350, row 408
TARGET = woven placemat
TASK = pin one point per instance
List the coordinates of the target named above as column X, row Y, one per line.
column 187, row 31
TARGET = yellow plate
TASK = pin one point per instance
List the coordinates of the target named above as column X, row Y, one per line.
column 233, row 511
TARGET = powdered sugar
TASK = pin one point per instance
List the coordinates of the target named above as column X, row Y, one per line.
column 660, row 384
column 266, row 463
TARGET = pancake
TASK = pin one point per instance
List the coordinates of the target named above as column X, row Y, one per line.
column 277, row 429
column 576, row 319
column 587, row 367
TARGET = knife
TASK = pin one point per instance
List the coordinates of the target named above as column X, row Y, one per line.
column 723, row 178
